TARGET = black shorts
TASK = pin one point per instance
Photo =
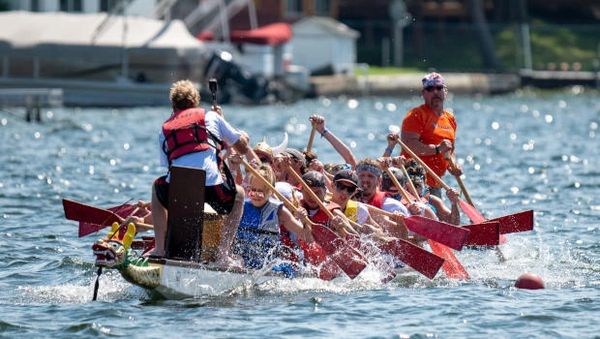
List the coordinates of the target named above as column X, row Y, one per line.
column 220, row 197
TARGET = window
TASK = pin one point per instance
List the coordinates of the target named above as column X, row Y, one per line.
column 71, row 5
column 107, row 5
column 35, row 5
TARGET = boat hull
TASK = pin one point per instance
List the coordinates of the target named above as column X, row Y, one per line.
column 174, row 279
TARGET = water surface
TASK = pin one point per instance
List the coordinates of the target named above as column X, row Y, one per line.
column 528, row 150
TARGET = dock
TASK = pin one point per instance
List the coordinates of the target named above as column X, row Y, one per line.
column 33, row 99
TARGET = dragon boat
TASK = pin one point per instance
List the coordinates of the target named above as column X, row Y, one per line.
column 173, row 278
column 193, row 235
column 194, row 230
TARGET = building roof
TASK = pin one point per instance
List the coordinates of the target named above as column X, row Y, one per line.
column 272, row 35
column 328, row 24
column 27, row 29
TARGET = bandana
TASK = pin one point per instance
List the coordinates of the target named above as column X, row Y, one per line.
column 433, row 79
column 369, row 168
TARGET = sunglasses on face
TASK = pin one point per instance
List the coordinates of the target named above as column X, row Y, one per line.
column 256, row 193
column 431, row 88
column 342, row 187
column 265, row 160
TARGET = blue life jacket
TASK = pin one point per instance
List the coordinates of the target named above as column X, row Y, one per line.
column 257, row 240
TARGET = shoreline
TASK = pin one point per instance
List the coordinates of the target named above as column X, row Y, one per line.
column 464, row 83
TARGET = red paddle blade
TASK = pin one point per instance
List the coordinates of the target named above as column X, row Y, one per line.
column 91, row 219
column 316, row 256
column 347, row 258
column 452, row 267
column 444, row 233
column 414, row 256
column 81, row 212
column 471, row 212
column 517, row 222
column 486, row 234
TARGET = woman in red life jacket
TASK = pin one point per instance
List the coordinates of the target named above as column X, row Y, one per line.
column 192, row 137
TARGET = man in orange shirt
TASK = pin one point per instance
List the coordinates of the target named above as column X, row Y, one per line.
column 429, row 130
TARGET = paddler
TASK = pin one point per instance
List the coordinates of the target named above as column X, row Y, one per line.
column 416, row 175
column 266, row 224
column 429, row 130
column 369, row 175
column 194, row 137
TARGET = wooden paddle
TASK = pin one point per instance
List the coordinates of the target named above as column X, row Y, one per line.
column 452, row 267
column 419, row 259
column 92, row 219
column 311, row 138
column 518, row 222
column 348, row 259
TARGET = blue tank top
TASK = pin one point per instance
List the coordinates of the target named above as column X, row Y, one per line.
column 257, row 239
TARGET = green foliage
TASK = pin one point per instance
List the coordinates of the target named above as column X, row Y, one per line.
column 375, row 70
column 550, row 44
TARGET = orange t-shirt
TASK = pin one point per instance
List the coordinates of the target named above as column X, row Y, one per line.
column 432, row 129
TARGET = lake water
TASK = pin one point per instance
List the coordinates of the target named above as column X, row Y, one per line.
column 527, row 150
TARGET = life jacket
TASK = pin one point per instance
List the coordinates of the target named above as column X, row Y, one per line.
column 351, row 210
column 185, row 132
column 321, row 217
column 377, row 199
column 258, row 236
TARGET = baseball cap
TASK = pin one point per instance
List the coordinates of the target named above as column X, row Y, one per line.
column 387, row 183
column 314, row 179
column 347, row 177
column 294, row 153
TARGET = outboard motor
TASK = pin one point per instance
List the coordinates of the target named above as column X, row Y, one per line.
column 221, row 67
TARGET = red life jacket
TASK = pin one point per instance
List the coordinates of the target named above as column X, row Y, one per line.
column 185, row 132
column 321, row 217
column 377, row 199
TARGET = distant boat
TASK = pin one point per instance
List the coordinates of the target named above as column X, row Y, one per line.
column 113, row 60
column 98, row 60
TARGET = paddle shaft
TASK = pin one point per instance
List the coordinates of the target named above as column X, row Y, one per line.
column 213, row 86
column 460, row 182
column 314, row 197
column 411, row 185
column 311, row 138
column 427, row 168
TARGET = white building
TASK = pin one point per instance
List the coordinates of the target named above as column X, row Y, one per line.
column 134, row 7
column 321, row 42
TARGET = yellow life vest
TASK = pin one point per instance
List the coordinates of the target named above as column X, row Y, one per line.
column 351, row 210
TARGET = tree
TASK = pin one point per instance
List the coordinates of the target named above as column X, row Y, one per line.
column 486, row 41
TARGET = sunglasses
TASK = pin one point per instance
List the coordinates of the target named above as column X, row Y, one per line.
column 431, row 88
column 342, row 187
column 253, row 192
column 265, row 160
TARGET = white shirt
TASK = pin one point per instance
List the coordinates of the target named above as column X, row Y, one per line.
column 206, row 160
column 393, row 205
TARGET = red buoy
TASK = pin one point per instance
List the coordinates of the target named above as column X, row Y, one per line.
column 530, row 281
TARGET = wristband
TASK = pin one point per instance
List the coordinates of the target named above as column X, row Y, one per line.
column 389, row 149
column 325, row 131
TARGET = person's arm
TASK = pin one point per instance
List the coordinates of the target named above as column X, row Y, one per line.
column 294, row 225
column 413, row 141
column 392, row 140
column 337, row 144
column 454, row 217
